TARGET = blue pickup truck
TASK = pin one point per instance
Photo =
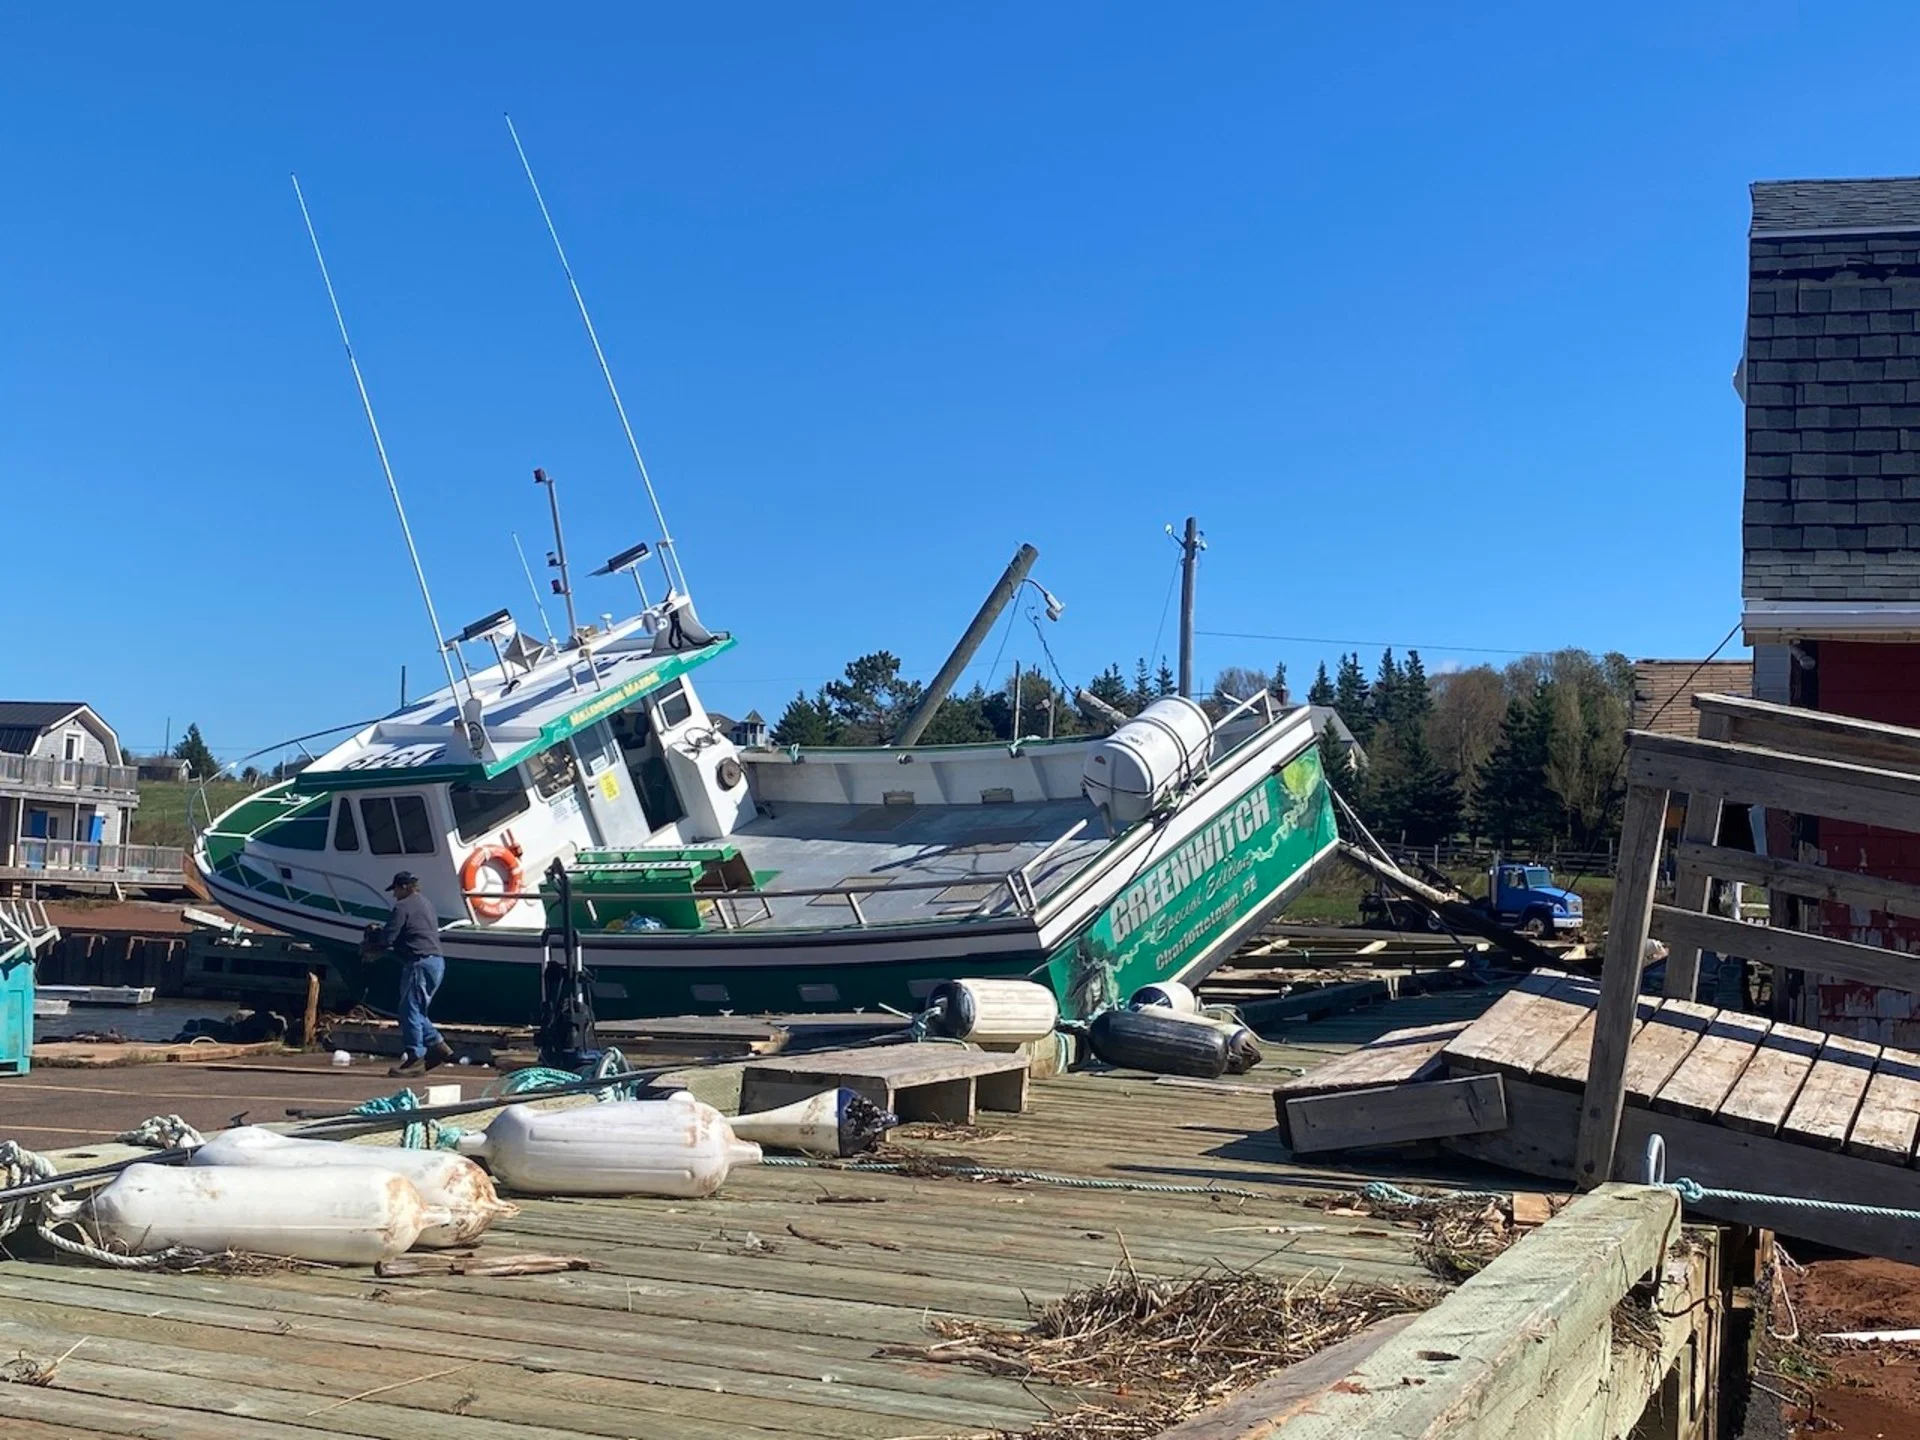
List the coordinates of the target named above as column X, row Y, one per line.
column 1525, row 897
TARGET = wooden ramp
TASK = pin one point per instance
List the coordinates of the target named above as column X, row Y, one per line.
column 1740, row 1103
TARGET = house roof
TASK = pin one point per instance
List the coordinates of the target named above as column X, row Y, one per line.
column 22, row 722
column 754, row 717
column 1792, row 206
column 1663, row 691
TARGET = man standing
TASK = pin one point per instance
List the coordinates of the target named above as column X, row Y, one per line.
column 412, row 932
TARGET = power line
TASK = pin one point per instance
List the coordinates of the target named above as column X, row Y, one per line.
column 1398, row 644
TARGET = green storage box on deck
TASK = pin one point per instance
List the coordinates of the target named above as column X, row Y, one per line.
column 16, row 1010
column 613, row 888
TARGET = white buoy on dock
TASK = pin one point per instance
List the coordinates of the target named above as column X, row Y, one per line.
column 450, row 1181
column 679, row 1148
column 993, row 1012
column 336, row 1216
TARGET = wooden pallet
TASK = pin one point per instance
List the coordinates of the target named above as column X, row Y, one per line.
column 941, row 1083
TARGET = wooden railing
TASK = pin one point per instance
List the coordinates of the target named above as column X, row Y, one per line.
column 83, row 859
column 37, row 772
column 1749, row 752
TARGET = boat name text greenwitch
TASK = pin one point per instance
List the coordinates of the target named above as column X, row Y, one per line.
column 1168, row 880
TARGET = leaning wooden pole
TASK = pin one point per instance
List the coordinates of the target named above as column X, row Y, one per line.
column 1620, row 984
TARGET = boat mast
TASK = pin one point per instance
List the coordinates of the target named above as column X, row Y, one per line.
column 557, row 559
column 669, row 556
column 380, row 447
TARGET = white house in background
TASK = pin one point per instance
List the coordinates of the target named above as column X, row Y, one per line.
column 67, row 796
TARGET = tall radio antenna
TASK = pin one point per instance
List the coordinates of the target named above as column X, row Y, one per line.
column 538, row 604
column 669, row 557
column 379, row 445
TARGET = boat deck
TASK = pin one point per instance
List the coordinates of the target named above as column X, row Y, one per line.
column 909, row 862
column 759, row 1313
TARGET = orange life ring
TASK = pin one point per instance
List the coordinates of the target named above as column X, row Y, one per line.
column 503, row 862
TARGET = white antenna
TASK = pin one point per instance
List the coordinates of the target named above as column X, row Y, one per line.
column 527, row 570
column 669, row 557
column 379, row 445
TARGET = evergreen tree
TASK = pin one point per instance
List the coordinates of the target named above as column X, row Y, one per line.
column 195, row 752
column 1143, row 692
column 1386, row 698
column 1163, row 682
column 871, row 701
column 1109, row 685
column 1511, row 802
column 1279, row 682
column 1417, row 798
column 1416, row 695
column 1350, row 696
column 805, row 722
column 1321, row 691
column 960, row 720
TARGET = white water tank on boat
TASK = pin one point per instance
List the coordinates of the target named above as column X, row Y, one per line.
column 1132, row 770
column 337, row 1216
column 678, row 1148
column 993, row 1012
column 452, row 1181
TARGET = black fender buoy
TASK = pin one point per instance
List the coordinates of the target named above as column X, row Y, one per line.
column 1146, row 1040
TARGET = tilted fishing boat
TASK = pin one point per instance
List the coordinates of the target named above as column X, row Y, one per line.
column 710, row 876
column 706, row 875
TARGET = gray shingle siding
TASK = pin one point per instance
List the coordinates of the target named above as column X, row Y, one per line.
column 1832, row 502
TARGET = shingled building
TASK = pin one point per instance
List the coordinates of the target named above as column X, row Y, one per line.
column 1832, row 385
column 1831, row 522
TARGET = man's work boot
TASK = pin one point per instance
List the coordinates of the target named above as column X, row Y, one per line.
column 409, row 1065
column 439, row 1055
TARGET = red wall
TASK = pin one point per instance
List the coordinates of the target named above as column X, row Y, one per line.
column 1870, row 682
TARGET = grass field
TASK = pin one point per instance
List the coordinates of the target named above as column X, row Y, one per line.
column 162, row 816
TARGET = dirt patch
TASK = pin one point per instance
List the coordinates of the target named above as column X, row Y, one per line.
column 1857, row 1390
column 1834, row 1295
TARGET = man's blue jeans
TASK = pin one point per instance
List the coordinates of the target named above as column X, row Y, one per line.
column 419, row 979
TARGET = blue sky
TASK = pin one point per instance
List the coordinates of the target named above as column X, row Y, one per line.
column 1430, row 319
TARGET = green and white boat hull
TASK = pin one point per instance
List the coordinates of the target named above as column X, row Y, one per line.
column 1169, row 899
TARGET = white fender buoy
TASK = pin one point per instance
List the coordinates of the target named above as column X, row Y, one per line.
column 677, row 1148
column 992, row 1012
column 1167, row 995
column 834, row 1123
column 443, row 1179
column 337, row 1216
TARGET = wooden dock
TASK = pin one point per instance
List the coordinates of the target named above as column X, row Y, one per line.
column 757, row 1313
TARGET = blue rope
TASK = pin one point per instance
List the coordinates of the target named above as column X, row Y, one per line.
column 418, row 1134
column 1693, row 1192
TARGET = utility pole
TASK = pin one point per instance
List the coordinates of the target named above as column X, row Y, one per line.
column 1190, row 547
column 1003, row 591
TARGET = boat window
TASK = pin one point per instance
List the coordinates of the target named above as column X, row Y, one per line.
column 673, row 704
column 483, row 805
column 345, row 836
column 396, row 825
column 552, row 772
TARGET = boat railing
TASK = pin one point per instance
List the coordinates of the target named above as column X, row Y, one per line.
column 726, row 902
column 1025, row 892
